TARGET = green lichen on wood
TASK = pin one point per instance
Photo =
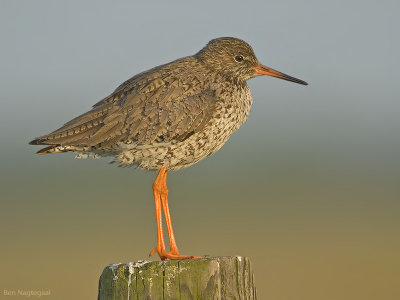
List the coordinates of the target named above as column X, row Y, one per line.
column 207, row 278
column 199, row 279
column 114, row 276
column 150, row 280
column 172, row 281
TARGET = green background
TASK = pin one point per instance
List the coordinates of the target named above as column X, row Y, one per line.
column 308, row 188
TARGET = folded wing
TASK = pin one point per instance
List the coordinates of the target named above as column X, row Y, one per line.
column 152, row 107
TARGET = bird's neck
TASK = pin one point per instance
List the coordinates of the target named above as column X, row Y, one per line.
column 227, row 83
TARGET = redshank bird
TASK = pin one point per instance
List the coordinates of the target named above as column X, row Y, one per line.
column 168, row 118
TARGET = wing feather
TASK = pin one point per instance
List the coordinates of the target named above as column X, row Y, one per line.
column 154, row 106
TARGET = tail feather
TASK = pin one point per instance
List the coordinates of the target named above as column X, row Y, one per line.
column 50, row 150
column 37, row 141
column 83, row 131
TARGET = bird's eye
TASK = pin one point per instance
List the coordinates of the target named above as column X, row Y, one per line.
column 239, row 58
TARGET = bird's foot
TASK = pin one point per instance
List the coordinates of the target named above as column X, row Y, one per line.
column 171, row 255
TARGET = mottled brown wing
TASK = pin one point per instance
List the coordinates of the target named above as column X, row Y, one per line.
column 154, row 106
column 170, row 121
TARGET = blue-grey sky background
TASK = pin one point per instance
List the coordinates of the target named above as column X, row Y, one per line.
column 308, row 188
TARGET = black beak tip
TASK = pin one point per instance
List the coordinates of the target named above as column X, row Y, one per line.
column 299, row 81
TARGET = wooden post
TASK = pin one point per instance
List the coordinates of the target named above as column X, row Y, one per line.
column 216, row 278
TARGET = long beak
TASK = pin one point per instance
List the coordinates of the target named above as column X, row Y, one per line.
column 263, row 70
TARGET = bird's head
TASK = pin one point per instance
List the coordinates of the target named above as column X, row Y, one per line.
column 235, row 59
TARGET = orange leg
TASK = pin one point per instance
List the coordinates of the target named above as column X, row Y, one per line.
column 157, row 202
column 160, row 192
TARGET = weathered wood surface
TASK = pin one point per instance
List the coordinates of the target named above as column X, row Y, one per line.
column 217, row 278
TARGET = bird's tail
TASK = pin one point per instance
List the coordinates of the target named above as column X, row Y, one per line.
column 51, row 150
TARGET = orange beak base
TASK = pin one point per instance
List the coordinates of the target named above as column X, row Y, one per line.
column 263, row 70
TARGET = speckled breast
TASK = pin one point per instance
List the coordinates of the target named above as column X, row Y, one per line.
column 231, row 112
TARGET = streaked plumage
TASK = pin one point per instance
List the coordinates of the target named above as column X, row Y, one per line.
column 173, row 115
column 169, row 117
